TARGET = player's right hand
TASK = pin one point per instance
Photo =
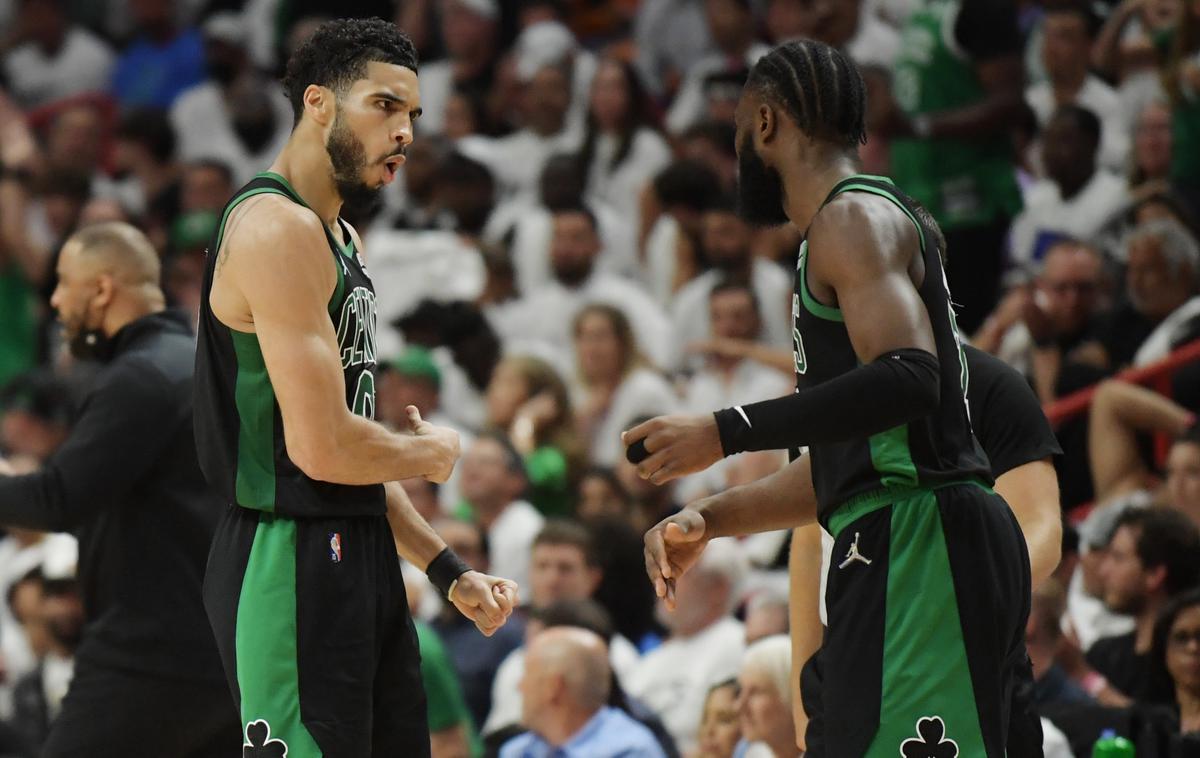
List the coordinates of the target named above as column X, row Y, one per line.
column 444, row 445
column 672, row 546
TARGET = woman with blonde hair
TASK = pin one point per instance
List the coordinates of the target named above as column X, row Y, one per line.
column 764, row 700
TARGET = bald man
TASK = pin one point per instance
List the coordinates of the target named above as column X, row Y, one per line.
column 565, row 694
column 148, row 681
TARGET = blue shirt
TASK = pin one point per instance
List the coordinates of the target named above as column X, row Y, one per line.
column 609, row 734
column 150, row 74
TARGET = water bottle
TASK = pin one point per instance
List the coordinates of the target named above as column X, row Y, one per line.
column 1111, row 745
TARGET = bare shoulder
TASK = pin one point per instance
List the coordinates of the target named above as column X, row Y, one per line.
column 863, row 230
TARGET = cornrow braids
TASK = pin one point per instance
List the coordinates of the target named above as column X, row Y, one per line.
column 821, row 89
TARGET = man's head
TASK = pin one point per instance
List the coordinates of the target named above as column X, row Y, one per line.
column 1043, row 629
column 412, row 378
column 1154, row 555
column 152, row 17
column 766, row 613
column 567, row 679
column 730, row 23
column 709, row 591
column 225, row 47
column 733, row 310
column 469, row 27
column 1164, row 260
column 1183, row 474
column 1152, row 140
column 35, row 416
column 1069, row 145
column 492, row 473
column 801, row 95
column 764, row 693
column 574, row 244
column 563, row 564
column 547, row 98
column 145, row 137
column 467, row 540
column 1070, row 281
column 108, row 275
column 44, row 22
column 353, row 84
column 686, row 189
column 726, row 238
column 206, row 186
column 1066, row 42
column 466, row 189
column 834, row 22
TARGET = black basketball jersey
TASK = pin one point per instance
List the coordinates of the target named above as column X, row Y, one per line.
column 937, row 449
column 239, row 430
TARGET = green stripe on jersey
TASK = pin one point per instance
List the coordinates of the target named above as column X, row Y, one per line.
column 925, row 669
column 255, row 400
column 265, row 639
column 814, row 306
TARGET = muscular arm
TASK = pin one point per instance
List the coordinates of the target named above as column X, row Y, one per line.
column 280, row 266
column 1031, row 491
column 1119, row 411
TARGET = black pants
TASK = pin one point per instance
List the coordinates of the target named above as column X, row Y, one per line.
column 312, row 624
column 112, row 713
column 974, row 264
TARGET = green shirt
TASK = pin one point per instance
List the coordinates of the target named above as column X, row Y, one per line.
column 1185, row 124
column 962, row 183
column 549, row 488
column 18, row 314
column 444, row 698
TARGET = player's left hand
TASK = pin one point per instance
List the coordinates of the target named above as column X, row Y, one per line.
column 678, row 446
column 486, row 600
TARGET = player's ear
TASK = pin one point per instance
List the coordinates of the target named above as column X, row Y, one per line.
column 766, row 123
column 320, row 103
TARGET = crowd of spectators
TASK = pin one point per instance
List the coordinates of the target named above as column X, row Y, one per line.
column 561, row 258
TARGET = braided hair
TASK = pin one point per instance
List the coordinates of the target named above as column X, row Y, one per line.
column 820, row 88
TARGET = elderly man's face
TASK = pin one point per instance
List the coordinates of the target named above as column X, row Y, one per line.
column 1154, row 288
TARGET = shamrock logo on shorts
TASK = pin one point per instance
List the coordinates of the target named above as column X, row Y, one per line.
column 930, row 743
column 259, row 743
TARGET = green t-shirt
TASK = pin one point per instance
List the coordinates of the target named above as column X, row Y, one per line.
column 962, row 183
column 18, row 314
column 443, row 695
column 1185, row 124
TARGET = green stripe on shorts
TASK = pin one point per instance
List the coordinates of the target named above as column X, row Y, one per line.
column 265, row 643
column 925, row 669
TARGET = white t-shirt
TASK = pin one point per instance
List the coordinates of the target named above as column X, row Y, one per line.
column 1047, row 213
column 1158, row 345
column 642, row 393
column 506, row 692
column 205, row 130
column 532, row 233
column 875, row 43
column 690, row 307
column 1100, row 99
column 621, row 188
column 84, row 63
column 510, row 541
column 674, row 678
column 516, row 160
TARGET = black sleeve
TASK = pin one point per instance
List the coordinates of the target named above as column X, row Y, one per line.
column 893, row 389
column 122, row 424
column 988, row 29
column 1006, row 415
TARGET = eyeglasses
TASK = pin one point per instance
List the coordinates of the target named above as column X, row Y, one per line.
column 1181, row 637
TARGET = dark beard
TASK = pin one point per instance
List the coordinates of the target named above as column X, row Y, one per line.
column 573, row 274
column 349, row 160
column 759, row 189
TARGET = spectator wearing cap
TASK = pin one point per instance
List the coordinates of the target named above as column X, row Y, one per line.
column 237, row 116
column 1068, row 29
column 470, row 31
column 161, row 62
column 731, row 25
column 1154, row 556
column 54, row 59
column 1076, row 198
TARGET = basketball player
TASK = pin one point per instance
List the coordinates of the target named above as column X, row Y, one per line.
column 303, row 586
column 925, row 631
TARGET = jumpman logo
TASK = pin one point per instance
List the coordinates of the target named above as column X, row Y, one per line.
column 853, row 555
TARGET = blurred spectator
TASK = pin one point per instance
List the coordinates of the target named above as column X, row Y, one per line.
column 705, row 646
column 1043, row 640
column 720, row 726
column 1178, row 50
column 161, row 62
column 205, row 185
column 565, row 687
column 1076, row 198
column 621, row 150
column 710, row 143
column 542, row 321
column 1151, row 144
column 38, row 696
column 476, row 658
column 35, row 417
column 651, row 502
column 493, row 483
column 547, row 42
column 1088, row 618
column 731, row 24
column 1035, row 328
column 630, row 602
column 956, row 92
column 602, row 496
column 145, row 153
column 1176, row 657
column 528, row 398
column 670, row 37
column 851, row 25
column 471, row 34
column 1154, row 556
column 237, row 117
column 613, row 384
column 725, row 248
column 54, row 59
column 764, row 699
column 680, row 195
column 766, row 614
column 410, row 202
column 451, row 729
column 1067, row 32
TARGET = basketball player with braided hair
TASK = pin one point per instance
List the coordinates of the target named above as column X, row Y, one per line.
column 929, row 591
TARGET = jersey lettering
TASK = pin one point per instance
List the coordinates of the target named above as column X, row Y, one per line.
column 356, row 328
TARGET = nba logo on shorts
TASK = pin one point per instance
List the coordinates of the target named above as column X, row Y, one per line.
column 335, row 547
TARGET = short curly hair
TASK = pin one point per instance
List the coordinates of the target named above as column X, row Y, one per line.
column 337, row 54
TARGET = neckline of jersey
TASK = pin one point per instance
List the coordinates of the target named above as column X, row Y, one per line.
column 346, row 248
